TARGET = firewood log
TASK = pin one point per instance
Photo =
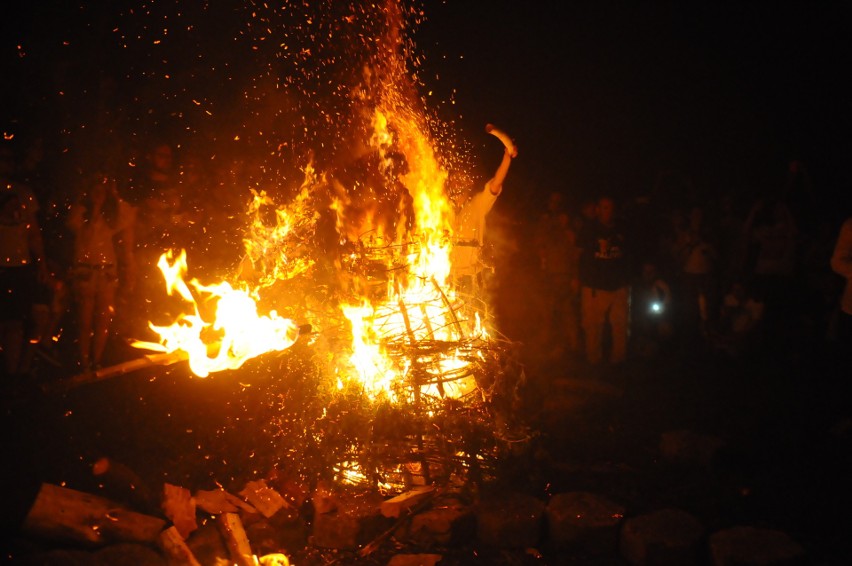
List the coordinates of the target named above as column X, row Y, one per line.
column 67, row 515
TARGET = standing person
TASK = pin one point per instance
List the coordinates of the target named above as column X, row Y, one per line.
column 558, row 259
column 604, row 284
column 469, row 225
column 841, row 263
column 23, row 265
column 102, row 225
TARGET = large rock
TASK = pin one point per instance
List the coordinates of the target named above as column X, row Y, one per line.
column 448, row 522
column 749, row 546
column 512, row 520
column 355, row 520
column 665, row 537
column 584, row 520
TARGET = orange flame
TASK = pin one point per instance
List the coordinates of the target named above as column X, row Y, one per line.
column 236, row 334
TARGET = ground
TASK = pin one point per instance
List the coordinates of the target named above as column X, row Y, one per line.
column 782, row 415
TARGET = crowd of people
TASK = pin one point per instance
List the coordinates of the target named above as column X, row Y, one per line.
column 643, row 276
column 620, row 278
column 78, row 260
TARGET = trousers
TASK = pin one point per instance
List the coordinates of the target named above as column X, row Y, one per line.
column 597, row 307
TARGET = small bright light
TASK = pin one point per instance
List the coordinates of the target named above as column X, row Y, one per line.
column 656, row 307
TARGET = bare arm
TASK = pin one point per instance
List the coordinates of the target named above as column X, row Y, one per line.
column 495, row 184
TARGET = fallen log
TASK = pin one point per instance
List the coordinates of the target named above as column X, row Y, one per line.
column 67, row 515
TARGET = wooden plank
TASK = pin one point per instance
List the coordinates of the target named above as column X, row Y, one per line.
column 179, row 507
column 395, row 506
column 68, row 515
column 235, row 537
column 218, row 501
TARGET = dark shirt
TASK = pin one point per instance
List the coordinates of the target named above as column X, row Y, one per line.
column 603, row 258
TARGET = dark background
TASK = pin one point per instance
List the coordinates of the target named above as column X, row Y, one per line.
column 600, row 96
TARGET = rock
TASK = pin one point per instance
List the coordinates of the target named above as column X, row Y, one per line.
column 689, row 448
column 669, row 536
column 356, row 520
column 123, row 554
column 415, row 560
column 584, row 520
column 207, row 544
column 446, row 523
column 511, row 520
column 749, row 546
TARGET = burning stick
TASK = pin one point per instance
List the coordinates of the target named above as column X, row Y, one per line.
column 164, row 359
column 503, row 137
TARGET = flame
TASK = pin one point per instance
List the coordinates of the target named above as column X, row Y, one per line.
column 409, row 332
column 235, row 334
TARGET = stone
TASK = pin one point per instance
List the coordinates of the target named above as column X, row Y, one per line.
column 749, row 546
column 665, row 537
column 584, row 520
column 355, row 521
column 207, row 544
column 511, row 520
column 686, row 447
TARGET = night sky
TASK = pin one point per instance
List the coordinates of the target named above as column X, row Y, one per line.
column 600, row 96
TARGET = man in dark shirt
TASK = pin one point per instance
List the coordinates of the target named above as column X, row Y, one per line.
column 604, row 280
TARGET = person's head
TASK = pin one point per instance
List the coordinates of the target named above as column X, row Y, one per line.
column 589, row 209
column 606, row 210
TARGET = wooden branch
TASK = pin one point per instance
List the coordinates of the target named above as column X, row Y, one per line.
column 67, row 515
column 164, row 359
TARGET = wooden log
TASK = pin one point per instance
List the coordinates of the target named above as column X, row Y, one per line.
column 175, row 549
column 263, row 498
column 235, row 537
column 218, row 501
column 68, row 515
column 395, row 506
column 102, row 374
column 179, row 507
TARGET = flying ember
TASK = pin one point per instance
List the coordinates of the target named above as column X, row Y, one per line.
column 379, row 289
